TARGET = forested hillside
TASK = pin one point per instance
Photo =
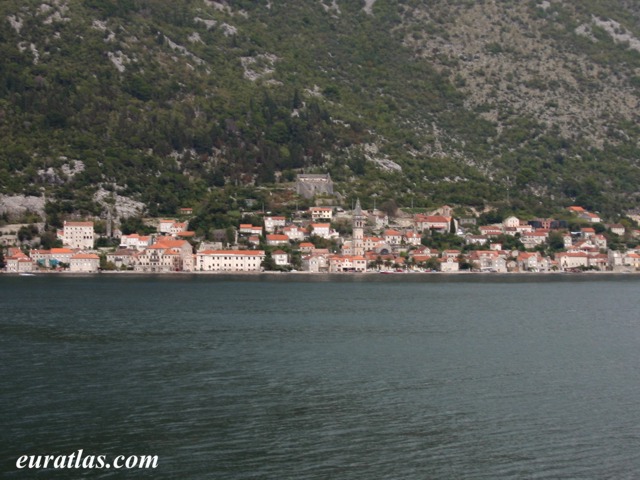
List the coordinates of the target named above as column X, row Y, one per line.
column 520, row 105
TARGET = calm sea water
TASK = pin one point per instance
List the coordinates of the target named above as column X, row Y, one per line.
column 389, row 377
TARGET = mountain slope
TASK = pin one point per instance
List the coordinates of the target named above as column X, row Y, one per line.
column 169, row 103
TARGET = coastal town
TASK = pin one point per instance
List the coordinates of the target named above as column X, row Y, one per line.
column 330, row 239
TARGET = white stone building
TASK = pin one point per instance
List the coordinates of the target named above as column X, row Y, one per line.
column 125, row 257
column 18, row 262
column 347, row 263
column 571, row 260
column 295, row 233
column 321, row 213
column 229, row 260
column 280, row 258
column 271, row 224
column 275, row 239
column 167, row 255
column 314, row 263
column 449, row 265
column 84, row 262
column 135, row 241
column 321, row 230
column 60, row 255
column 77, row 235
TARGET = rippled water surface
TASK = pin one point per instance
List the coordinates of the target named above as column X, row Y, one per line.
column 410, row 377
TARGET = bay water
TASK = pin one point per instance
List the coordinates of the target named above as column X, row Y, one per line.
column 324, row 377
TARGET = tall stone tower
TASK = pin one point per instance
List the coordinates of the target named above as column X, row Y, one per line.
column 358, row 230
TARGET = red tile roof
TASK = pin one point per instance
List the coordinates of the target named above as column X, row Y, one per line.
column 85, row 256
column 277, row 237
column 78, row 224
column 250, row 253
column 57, row 251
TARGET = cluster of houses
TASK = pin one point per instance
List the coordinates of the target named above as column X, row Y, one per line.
column 77, row 254
column 373, row 245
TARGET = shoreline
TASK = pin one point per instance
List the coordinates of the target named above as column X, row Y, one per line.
column 318, row 274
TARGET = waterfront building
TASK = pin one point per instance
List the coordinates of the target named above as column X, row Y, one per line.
column 599, row 261
column 529, row 261
column 449, row 265
column 489, row 260
column 84, row 262
column 572, row 260
column 166, row 255
column 632, row 260
column 229, row 260
column 280, row 258
column 158, row 259
column 18, row 262
column 60, row 255
column 40, row 257
column 347, row 263
column 315, row 263
column 123, row 257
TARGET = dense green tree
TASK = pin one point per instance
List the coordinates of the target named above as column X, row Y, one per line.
column 269, row 264
column 129, row 225
column 28, row 232
column 49, row 240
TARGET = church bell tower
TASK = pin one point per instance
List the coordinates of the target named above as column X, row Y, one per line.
column 358, row 230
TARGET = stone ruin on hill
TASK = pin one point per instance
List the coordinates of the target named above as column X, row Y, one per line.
column 309, row 185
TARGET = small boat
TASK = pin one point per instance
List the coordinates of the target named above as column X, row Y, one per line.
column 27, row 274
